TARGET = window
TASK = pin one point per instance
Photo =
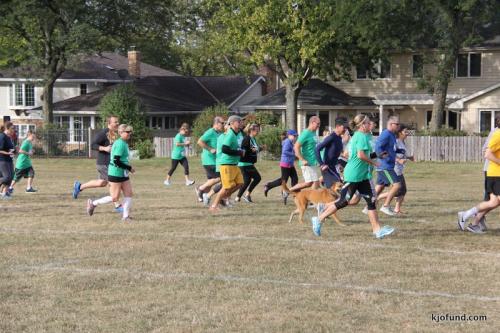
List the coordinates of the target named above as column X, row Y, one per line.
column 21, row 94
column 162, row 122
column 418, row 66
column 77, row 126
column 468, row 65
column 22, row 130
column 487, row 120
column 83, row 89
column 382, row 70
column 62, row 121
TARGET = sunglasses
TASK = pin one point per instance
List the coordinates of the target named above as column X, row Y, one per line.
column 128, row 132
column 397, row 124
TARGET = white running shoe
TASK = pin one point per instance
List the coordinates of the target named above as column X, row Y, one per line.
column 189, row 182
column 482, row 223
column 461, row 221
column 167, row 183
column 206, row 199
column 387, row 211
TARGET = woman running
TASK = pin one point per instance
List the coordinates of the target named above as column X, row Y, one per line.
column 286, row 164
column 356, row 177
column 6, row 162
column 251, row 176
column 179, row 155
column 118, row 174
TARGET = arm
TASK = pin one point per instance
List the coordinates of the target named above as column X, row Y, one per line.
column 99, row 142
column 296, row 149
column 227, row 150
column 323, row 144
column 381, row 144
column 362, row 156
column 204, row 145
column 490, row 156
column 120, row 164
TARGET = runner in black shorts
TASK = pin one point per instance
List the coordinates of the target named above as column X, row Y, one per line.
column 101, row 143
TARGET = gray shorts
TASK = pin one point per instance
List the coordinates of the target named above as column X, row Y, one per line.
column 102, row 172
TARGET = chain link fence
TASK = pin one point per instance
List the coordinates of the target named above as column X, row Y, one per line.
column 62, row 143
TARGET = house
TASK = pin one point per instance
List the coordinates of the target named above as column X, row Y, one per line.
column 170, row 98
column 473, row 96
column 169, row 101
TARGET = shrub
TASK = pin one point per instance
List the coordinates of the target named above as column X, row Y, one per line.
column 145, row 149
column 263, row 118
column 123, row 102
column 441, row 132
column 271, row 137
column 205, row 120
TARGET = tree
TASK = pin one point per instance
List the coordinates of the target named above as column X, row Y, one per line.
column 451, row 25
column 301, row 38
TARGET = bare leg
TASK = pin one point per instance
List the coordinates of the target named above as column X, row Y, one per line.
column 93, row 184
column 373, row 216
column 208, row 184
column 392, row 193
column 399, row 203
column 301, row 186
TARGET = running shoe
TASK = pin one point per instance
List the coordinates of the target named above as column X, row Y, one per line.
column 266, row 189
column 316, row 226
column 387, row 210
column 214, row 209
column 321, row 208
column 285, row 195
column 167, row 183
column 461, row 221
column 237, row 199
column 365, row 210
column 90, row 207
column 189, row 182
column 31, row 190
column 118, row 209
column 206, row 199
column 228, row 203
column 10, row 190
column 127, row 219
column 384, row 231
column 199, row 194
column 475, row 228
column 6, row 196
column 76, row 189
column 482, row 223
column 247, row 198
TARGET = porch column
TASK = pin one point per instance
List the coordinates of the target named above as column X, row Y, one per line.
column 381, row 118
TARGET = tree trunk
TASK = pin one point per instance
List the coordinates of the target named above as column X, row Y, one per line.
column 445, row 73
column 292, row 94
column 48, row 99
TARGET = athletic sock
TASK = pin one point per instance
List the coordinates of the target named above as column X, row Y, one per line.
column 469, row 213
column 102, row 201
column 127, row 202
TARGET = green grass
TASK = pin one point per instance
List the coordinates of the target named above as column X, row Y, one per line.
column 177, row 268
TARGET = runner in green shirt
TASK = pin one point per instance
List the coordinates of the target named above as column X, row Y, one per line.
column 356, row 179
column 208, row 141
column 118, row 175
column 24, row 167
column 179, row 155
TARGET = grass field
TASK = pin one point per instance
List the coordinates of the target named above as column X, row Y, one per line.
column 179, row 269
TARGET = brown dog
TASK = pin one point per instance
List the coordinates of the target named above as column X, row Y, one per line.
column 304, row 197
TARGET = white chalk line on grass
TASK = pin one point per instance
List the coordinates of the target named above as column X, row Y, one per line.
column 256, row 280
column 253, row 238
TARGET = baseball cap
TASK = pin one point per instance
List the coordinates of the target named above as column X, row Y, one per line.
column 341, row 121
column 292, row 132
column 233, row 119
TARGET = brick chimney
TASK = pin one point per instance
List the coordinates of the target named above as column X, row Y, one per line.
column 271, row 79
column 134, row 63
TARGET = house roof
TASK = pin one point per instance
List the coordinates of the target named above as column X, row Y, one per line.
column 411, row 99
column 162, row 94
column 228, row 88
column 459, row 103
column 315, row 93
column 107, row 66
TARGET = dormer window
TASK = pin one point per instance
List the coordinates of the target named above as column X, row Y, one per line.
column 381, row 70
column 83, row 89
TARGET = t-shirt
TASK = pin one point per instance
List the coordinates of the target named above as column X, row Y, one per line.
column 308, row 140
column 210, row 138
column 23, row 160
column 230, row 140
column 101, row 139
column 494, row 146
column 218, row 153
column 398, row 167
column 119, row 148
column 253, row 144
column 178, row 152
column 485, row 146
column 5, row 145
column 356, row 169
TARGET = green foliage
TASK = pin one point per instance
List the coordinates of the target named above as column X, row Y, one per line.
column 263, row 118
column 441, row 132
column 205, row 120
column 145, row 148
column 122, row 102
column 270, row 136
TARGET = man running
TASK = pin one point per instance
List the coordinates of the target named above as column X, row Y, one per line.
column 102, row 143
column 386, row 176
column 208, row 141
column 304, row 150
